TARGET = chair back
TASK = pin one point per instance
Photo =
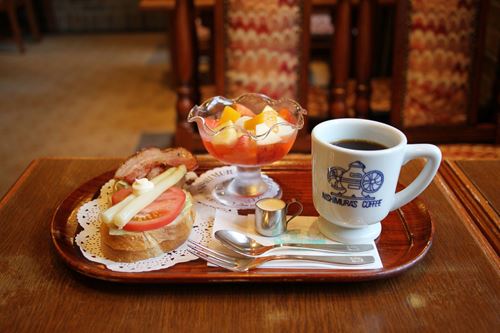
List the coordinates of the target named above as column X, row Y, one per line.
column 437, row 44
column 262, row 46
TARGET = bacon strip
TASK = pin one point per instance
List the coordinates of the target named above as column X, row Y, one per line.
column 150, row 162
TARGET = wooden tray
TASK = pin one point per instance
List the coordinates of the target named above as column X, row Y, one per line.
column 405, row 239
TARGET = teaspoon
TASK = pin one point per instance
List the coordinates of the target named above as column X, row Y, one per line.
column 244, row 245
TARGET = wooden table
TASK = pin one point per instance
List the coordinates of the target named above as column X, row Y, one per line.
column 454, row 288
column 475, row 184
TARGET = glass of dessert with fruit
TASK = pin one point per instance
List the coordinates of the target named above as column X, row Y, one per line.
column 248, row 132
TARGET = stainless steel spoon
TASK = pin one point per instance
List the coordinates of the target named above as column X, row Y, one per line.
column 246, row 246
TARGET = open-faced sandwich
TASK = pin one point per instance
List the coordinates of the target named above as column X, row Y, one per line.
column 148, row 212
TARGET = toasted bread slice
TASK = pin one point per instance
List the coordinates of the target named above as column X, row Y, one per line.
column 128, row 246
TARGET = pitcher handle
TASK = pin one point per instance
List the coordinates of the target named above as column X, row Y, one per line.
column 301, row 208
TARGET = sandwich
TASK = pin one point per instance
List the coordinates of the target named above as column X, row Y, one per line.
column 148, row 212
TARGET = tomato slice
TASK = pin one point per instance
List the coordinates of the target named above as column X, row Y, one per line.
column 120, row 195
column 157, row 214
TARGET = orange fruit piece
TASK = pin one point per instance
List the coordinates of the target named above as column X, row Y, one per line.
column 229, row 114
column 267, row 116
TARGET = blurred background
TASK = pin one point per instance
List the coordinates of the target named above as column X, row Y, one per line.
column 96, row 77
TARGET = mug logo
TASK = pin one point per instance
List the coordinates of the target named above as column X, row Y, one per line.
column 354, row 184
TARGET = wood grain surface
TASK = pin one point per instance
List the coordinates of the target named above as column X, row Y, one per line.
column 485, row 175
column 454, row 288
column 475, row 186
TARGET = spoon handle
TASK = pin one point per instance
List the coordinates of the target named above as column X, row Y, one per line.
column 347, row 248
column 343, row 260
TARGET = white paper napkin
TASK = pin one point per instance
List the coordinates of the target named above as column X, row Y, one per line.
column 302, row 229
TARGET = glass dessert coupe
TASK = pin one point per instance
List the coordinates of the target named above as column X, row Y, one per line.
column 248, row 132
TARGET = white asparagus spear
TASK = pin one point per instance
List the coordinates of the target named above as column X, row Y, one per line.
column 108, row 215
column 138, row 203
column 165, row 174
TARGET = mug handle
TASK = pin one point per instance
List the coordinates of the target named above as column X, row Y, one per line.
column 424, row 178
column 301, row 208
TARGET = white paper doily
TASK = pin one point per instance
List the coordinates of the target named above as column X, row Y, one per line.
column 202, row 188
column 89, row 239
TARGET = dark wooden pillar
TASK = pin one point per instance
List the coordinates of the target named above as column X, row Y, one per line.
column 303, row 93
column 476, row 61
column 219, row 53
column 341, row 49
column 185, row 46
column 11, row 8
column 363, row 58
column 399, row 65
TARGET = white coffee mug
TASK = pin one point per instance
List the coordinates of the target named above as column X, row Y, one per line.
column 353, row 190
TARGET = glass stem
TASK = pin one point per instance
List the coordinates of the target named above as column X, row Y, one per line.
column 247, row 182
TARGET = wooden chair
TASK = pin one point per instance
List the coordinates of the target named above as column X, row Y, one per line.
column 440, row 121
column 436, row 73
column 10, row 7
column 186, row 65
column 235, row 59
column 436, row 69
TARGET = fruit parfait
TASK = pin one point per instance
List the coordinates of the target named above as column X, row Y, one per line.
column 248, row 132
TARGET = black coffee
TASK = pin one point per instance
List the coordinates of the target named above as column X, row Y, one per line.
column 359, row 144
